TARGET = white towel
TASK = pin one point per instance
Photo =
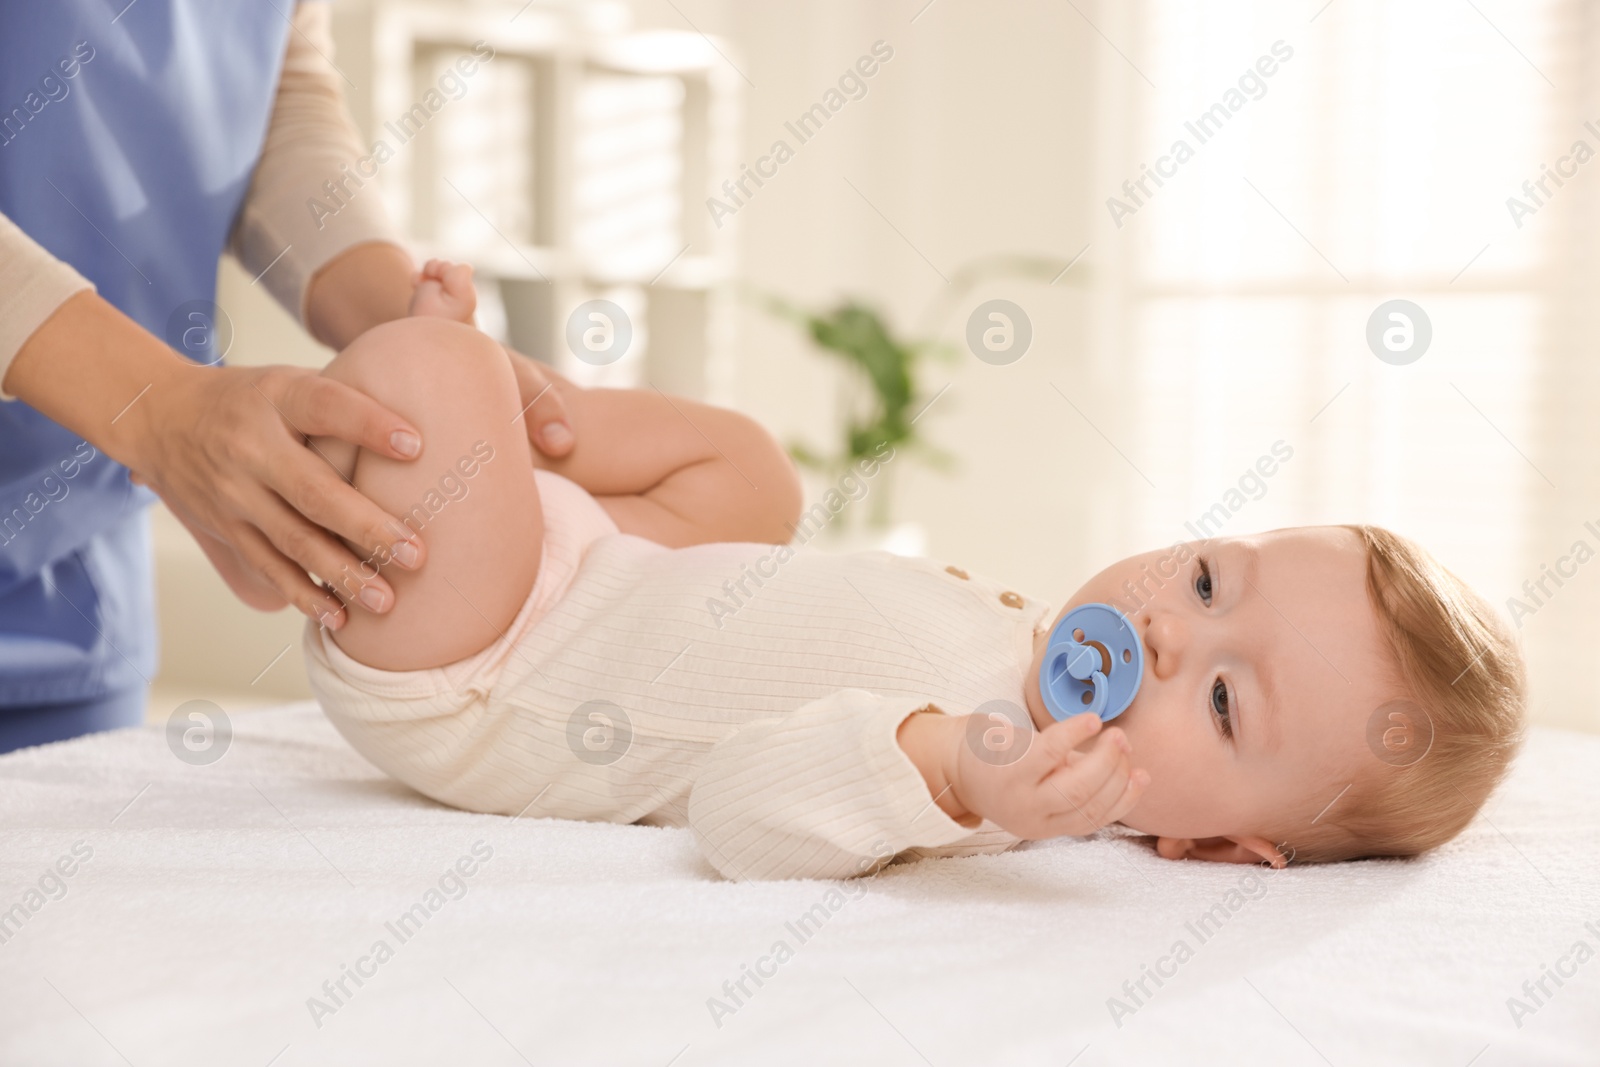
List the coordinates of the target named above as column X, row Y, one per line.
column 219, row 899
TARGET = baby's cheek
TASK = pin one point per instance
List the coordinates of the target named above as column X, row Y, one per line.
column 1162, row 755
column 1181, row 775
column 1143, row 723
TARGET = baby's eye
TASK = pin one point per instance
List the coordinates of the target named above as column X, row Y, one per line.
column 1202, row 582
column 1219, row 707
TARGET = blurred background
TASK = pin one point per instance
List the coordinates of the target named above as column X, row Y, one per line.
column 1160, row 338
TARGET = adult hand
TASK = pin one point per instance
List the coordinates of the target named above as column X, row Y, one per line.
column 225, row 447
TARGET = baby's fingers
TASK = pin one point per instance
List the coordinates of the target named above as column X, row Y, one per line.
column 1074, row 785
column 1058, row 740
column 1131, row 795
column 1117, row 796
column 1101, row 804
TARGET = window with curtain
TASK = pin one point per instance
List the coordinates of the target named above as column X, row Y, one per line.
column 1340, row 156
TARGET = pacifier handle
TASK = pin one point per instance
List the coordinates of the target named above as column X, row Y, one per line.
column 1083, row 663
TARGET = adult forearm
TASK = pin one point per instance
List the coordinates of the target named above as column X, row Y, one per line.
column 89, row 367
column 368, row 284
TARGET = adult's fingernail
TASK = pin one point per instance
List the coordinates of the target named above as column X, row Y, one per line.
column 405, row 442
column 557, row 435
column 405, row 553
column 371, row 598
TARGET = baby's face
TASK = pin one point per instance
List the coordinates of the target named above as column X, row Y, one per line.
column 1263, row 661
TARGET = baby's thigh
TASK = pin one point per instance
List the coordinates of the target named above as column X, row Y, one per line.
column 470, row 496
column 340, row 454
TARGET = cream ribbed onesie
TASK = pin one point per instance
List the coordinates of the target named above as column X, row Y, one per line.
column 748, row 691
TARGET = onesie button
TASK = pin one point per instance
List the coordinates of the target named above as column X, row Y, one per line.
column 957, row 571
column 1011, row 600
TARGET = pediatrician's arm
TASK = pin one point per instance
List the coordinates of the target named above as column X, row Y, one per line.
column 224, row 447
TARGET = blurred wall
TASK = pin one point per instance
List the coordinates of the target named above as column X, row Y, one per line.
column 973, row 140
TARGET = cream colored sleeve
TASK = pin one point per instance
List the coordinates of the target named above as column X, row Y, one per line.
column 33, row 283
column 279, row 230
column 825, row 792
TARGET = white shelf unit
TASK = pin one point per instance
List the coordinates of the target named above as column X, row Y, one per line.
column 574, row 165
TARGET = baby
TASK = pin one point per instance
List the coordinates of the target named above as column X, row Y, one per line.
column 628, row 634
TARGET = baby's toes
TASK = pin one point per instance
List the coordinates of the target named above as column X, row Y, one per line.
column 458, row 285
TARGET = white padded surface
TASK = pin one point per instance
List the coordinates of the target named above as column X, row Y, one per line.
column 221, row 898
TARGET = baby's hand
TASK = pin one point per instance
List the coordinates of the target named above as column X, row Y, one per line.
column 444, row 290
column 1054, row 787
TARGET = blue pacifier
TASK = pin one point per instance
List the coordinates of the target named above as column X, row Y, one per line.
column 1093, row 662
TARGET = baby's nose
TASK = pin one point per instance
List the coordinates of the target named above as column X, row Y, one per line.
column 1165, row 638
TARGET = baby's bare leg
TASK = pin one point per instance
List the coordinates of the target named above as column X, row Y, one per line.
column 470, row 495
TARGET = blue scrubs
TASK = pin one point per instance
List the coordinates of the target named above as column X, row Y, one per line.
column 128, row 135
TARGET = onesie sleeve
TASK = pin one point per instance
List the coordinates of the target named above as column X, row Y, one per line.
column 826, row 792
column 290, row 225
column 33, row 283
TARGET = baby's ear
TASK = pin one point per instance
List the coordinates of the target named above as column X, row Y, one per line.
column 1242, row 849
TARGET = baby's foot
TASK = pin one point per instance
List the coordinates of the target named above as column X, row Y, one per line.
column 444, row 290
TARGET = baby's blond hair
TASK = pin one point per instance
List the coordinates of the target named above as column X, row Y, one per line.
column 1458, row 728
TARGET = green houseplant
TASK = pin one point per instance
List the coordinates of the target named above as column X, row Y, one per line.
column 884, row 391
column 880, row 395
